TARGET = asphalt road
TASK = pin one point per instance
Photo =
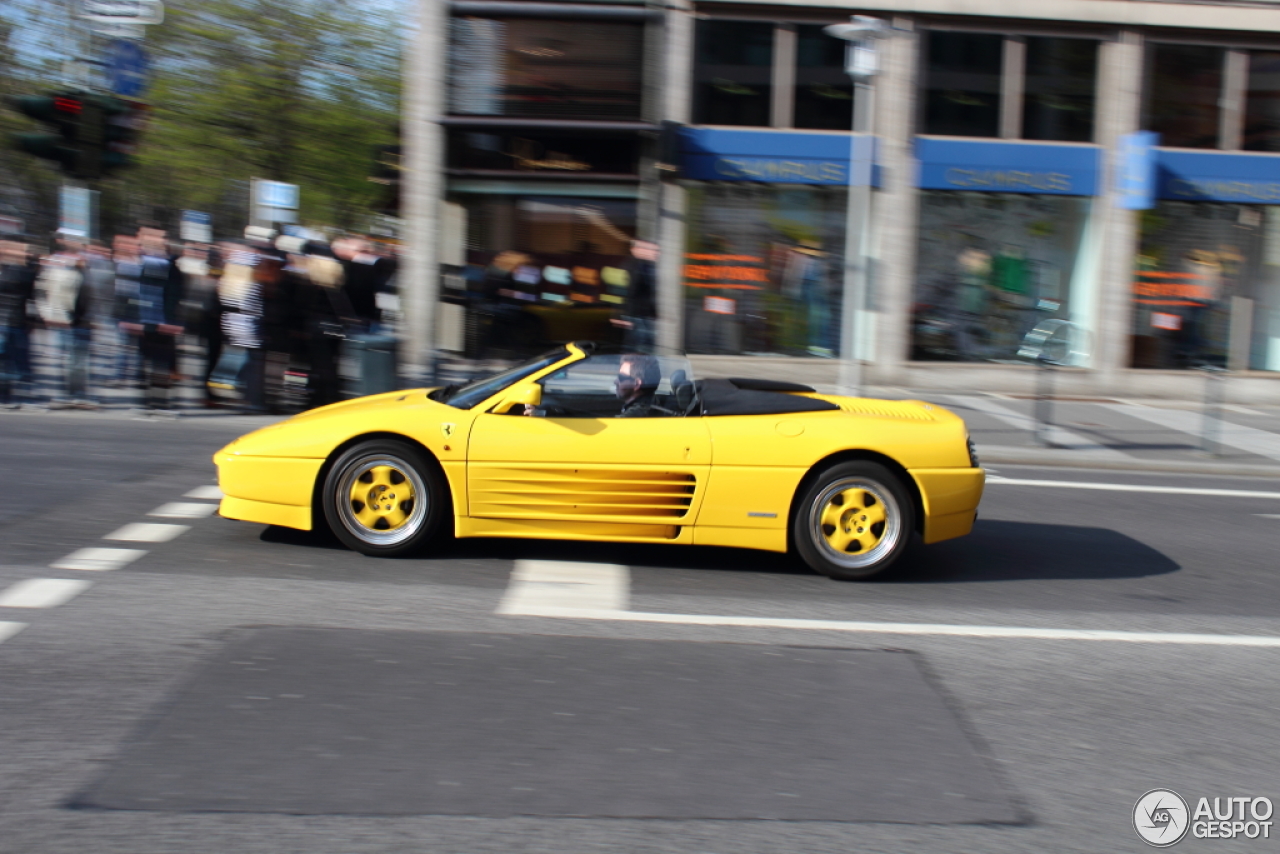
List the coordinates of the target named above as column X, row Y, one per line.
column 240, row 688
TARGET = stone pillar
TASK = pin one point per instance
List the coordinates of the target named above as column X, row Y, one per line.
column 1119, row 107
column 422, row 182
column 895, row 205
column 676, row 106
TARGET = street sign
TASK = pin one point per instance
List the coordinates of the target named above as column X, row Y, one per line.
column 197, row 227
column 127, row 68
column 123, row 11
column 1136, row 170
column 137, row 32
column 76, row 212
column 276, row 194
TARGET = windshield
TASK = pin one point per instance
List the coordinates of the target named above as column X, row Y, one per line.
column 469, row 395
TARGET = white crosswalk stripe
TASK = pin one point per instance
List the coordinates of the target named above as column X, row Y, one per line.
column 97, row 559
column 147, row 532
column 1238, row 436
column 539, row 586
column 184, row 510
column 206, row 492
column 8, row 629
column 43, row 592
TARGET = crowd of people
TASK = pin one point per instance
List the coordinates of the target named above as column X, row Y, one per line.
column 268, row 314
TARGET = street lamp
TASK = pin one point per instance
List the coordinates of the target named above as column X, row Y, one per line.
column 861, row 63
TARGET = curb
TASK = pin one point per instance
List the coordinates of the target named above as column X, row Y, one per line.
column 1051, row 458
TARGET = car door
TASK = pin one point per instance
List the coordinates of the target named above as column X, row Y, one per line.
column 582, row 471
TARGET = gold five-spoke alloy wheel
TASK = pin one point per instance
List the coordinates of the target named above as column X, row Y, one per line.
column 380, row 497
column 384, row 499
column 854, row 520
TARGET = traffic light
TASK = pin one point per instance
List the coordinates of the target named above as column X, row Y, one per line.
column 122, row 124
column 91, row 135
column 62, row 113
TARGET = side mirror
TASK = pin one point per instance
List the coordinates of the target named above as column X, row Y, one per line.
column 529, row 395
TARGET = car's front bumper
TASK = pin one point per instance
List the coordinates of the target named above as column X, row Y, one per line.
column 270, row 490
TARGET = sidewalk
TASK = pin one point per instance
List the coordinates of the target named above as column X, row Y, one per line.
column 1117, row 434
column 1097, row 433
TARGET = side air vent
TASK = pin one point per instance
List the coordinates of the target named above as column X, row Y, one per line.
column 581, row 494
column 887, row 409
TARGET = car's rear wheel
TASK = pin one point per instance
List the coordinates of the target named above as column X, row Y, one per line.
column 853, row 521
column 384, row 498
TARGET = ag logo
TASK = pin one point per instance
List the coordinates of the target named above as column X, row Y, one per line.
column 447, row 428
column 1161, row 817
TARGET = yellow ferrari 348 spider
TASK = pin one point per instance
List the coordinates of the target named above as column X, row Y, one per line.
column 579, row 444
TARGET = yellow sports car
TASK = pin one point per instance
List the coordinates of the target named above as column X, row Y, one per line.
column 580, row 444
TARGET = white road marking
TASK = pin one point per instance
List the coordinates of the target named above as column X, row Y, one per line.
column 8, row 630
column 1058, row 436
column 1127, row 487
column 98, row 559
column 1267, row 515
column 539, row 584
column 147, row 532
column 209, row 492
column 43, row 592
column 181, row 510
column 924, row 629
column 1249, row 439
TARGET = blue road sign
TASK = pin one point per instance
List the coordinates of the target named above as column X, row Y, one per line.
column 1136, row 170
column 127, row 68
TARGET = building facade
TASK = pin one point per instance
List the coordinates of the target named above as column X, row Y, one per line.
column 1101, row 173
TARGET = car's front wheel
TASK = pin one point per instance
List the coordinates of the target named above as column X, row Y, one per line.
column 853, row 521
column 384, row 498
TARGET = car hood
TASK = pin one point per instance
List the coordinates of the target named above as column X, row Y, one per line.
column 313, row 433
column 357, row 404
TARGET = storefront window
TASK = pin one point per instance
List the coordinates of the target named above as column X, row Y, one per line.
column 1060, row 89
column 543, row 152
column 1185, row 94
column 962, row 84
column 824, row 93
column 763, row 269
column 1262, row 103
column 991, row 267
column 543, row 269
column 539, row 68
column 733, row 73
column 1199, row 262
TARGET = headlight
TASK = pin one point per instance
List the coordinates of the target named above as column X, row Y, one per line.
column 973, row 453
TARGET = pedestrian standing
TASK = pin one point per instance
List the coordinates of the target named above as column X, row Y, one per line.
column 240, row 293
column 209, row 322
column 17, row 298
column 159, row 304
column 323, row 309
column 640, row 311
column 63, row 303
column 100, row 280
column 128, row 328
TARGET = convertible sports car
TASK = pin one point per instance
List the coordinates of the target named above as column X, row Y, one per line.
column 585, row 445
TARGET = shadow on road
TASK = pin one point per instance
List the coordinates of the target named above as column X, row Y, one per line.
column 1018, row 551
column 995, row 551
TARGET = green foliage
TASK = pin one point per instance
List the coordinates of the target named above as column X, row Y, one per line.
column 289, row 90
column 302, row 91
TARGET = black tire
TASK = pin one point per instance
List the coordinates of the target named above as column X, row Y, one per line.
column 826, row 531
column 365, row 503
